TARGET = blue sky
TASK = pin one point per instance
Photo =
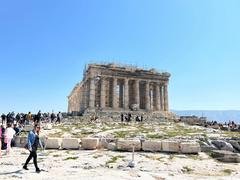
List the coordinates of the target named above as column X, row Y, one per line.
column 44, row 46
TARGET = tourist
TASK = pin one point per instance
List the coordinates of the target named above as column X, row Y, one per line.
column 1, row 142
column 129, row 117
column 137, row 119
column 122, row 117
column 16, row 129
column 18, row 117
column 126, row 118
column 2, row 139
column 9, row 118
column 3, row 116
column 33, row 142
column 53, row 116
column 39, row 116
column 29, row 117
column 59, row 117
column 9, row 133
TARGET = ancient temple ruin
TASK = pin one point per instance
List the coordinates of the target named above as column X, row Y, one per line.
column 111, row 87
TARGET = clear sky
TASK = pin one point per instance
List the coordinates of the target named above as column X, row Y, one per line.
column 44, row 46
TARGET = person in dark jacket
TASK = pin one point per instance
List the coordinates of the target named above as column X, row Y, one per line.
column 33, row 142
column 3, row 116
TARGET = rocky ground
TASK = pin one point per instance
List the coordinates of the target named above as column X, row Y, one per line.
column 105, row 164
column 101, row 164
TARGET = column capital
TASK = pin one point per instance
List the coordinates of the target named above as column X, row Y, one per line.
column 165, row 83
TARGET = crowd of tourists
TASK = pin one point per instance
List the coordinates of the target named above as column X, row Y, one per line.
column 128, row 118
column 25, row 119
column 13, row 124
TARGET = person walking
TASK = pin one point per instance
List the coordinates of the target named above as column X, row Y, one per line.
column 9, row 133
column 59, row 117
column 33, row 142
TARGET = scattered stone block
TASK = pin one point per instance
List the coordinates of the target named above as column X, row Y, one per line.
column 53, row 143
column 103, row 144
column 235, row 144
column 190, row 147
column 17, row 141
column 90, row 143
column 127, row 145
column 226, row 156
column 206, row 147
column 170, row 146
column 48, row 127
column 70, row 143
column 23, row 141
column 112, row 147
column 222, row 145
column 152, row 146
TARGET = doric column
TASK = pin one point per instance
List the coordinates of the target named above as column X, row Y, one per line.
column 126, row 95
column 114, row 98
column 147, row 97
column 103, row 93
column 92, row 94
column 161, row 98
column 165, row 97
column 69, row 104
column 136, row 92
column 158, row 97
column 85, row 96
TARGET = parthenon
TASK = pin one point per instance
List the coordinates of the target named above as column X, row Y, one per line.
column 111, row 87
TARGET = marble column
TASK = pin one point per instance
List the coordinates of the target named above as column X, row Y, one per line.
column 161, row 98
column 114, row 98
column 158, row 97
column 126, row 94
column 147, row 97
column 85, row 96
column 92, row 94
column 165, row 97
column 103, row 94
column 136, row 93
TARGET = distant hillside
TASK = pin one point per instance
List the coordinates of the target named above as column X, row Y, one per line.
column 220, row 116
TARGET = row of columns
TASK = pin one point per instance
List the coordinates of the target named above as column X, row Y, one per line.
column 161, row 94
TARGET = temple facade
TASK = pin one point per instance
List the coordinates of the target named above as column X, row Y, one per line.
column 119, row 88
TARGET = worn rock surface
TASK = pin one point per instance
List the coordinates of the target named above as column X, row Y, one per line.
column 108, row 165
column 235, row 144
column 207, row 147
column 223, row 145
column 226, row 156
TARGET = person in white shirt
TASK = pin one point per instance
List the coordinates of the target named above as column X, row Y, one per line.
column 8, row 135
